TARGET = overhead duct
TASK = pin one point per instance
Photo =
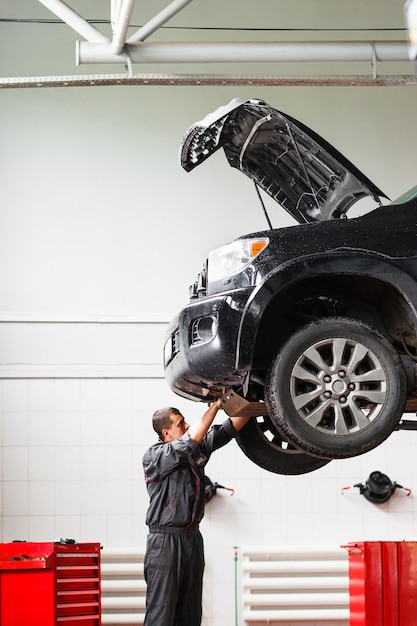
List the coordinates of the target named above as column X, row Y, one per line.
column 245, row 52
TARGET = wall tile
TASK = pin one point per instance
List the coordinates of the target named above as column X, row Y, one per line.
column 41, row 395
column 93, row 395
column 67, row 395
column 93, row 428
column 119, row 427
column 15, row 428
column 42, row 528
column 67, row 498
column 15, row 528
column 15, row 463
column 67, row 463
column 94, row 497
column 120, row 464
column 42, row 463
column 93, row 462
column 94, row 528
column 119, row 494
column 120, row 530
column 15, row 395
column 68, row 428
column 67, row 527
column 41, row 428
column 15, row 498
column 41, row 498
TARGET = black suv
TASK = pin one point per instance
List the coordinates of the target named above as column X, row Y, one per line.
column 311, row 328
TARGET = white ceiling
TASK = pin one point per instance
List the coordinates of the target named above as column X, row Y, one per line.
column 212, row 42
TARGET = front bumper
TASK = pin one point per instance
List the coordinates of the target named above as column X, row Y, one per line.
column 202, row 345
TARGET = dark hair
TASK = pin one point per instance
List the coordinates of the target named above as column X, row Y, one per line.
column 162, row 419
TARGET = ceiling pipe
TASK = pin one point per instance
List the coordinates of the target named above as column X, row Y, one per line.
column 272, row 52
column 121, row 26
column 114, row 12
column 159, row 20
column 75, row 21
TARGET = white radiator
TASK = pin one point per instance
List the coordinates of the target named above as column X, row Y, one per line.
column 123, row 588
column 280, row 584
column 295, row 584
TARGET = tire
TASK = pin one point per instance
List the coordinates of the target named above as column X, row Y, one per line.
column 336, row 389
column 261, row 443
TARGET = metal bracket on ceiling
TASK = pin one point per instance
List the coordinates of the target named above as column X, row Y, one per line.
column 129, row 66
column 374, row 60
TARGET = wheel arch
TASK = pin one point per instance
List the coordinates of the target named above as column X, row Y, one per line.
column 372, row 289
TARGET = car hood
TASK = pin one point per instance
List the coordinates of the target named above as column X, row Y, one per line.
column 299, row 169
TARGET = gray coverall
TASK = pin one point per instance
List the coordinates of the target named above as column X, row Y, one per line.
column 174, row 560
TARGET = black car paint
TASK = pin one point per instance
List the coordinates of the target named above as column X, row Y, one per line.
column 317, row 330
column 381, row 245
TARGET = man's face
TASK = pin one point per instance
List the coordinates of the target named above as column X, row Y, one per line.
column 178, row 427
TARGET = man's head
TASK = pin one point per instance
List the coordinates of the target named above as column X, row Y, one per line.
column 169, row 424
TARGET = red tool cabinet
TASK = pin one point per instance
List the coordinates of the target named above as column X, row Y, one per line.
column 383, row 583
column 46, row 584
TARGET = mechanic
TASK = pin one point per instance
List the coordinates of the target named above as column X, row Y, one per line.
column 174, row 474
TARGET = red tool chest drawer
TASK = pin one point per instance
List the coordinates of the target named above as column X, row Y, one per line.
column 383, row 583
column 50, row 583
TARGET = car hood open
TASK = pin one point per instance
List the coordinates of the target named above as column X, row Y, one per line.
column 299, row 169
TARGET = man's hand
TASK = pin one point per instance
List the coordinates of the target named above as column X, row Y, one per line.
column 198, row 430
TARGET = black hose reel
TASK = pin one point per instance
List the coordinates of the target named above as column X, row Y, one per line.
column 378, row 488
column 210, row 489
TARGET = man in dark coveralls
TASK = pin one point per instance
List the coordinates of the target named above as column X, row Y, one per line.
column 174, row 474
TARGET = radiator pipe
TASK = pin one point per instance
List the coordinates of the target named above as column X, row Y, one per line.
column 236, row 590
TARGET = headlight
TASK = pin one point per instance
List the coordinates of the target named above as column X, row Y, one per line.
column 233, row 258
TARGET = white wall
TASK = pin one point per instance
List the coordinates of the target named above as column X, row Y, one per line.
column 101, row 233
